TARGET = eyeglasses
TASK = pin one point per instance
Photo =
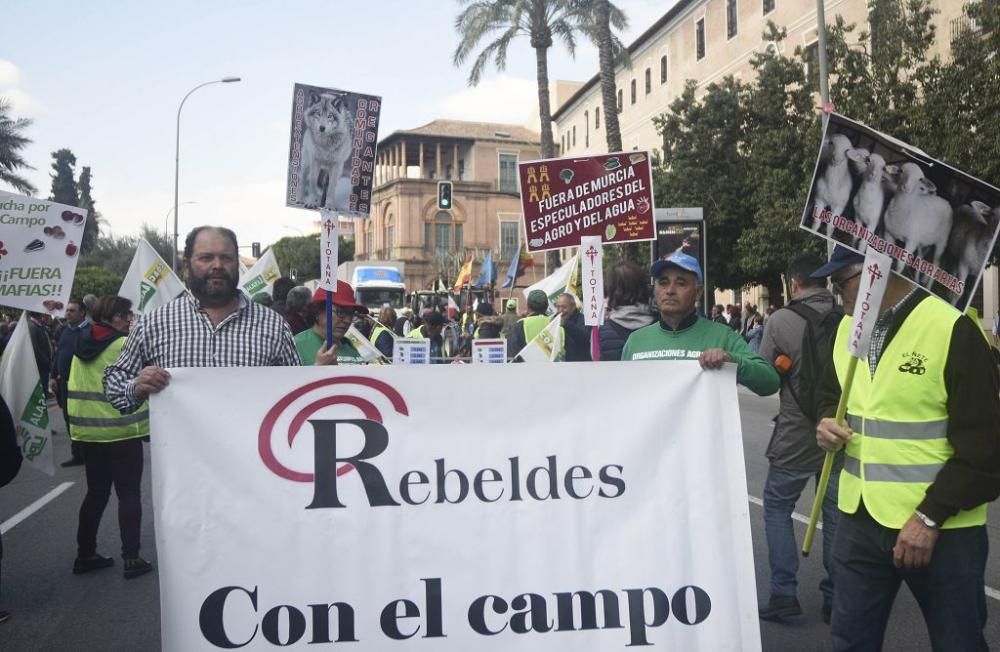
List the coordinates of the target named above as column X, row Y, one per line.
column 838, row 284
column 344, row 312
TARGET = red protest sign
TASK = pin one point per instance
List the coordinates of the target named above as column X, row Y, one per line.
column 610, row 196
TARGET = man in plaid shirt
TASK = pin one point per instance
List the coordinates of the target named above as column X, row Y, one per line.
column 211, row 325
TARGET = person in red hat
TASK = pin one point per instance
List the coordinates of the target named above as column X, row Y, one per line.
column 311, row 343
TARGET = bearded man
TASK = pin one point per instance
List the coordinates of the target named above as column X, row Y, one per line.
column 212, row 324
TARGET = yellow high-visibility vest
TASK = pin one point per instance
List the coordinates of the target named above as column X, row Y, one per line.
column 534, row 325
column 89, row 416
column 900, row 420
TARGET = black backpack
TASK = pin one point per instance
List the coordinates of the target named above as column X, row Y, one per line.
column 817, row 351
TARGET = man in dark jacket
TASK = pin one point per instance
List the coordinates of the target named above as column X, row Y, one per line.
column 10, row 462
column 793, row 455
column 577, row 333
column 75, row 328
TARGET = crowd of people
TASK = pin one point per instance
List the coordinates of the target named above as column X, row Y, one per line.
column 916, row 460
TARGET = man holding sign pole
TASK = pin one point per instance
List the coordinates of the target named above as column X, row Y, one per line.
column 922, row 459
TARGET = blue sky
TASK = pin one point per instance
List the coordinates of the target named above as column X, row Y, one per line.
column 105, row 78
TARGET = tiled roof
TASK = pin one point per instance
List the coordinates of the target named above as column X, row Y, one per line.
column 472, row 131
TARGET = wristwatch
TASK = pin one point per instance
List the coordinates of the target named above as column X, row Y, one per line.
column 926, row 520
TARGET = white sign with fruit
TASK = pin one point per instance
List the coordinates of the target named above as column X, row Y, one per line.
column 39, row 249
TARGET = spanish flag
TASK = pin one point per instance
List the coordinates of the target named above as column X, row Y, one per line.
column 464, row 275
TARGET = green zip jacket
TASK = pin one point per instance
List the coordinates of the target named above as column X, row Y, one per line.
column 697, row 334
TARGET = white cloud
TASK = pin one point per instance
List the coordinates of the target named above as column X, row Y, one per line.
column 9, row 74
column 23, row 104
column 499, row 99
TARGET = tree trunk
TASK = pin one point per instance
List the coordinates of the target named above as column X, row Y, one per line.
column 545, row 116
column 607, row 69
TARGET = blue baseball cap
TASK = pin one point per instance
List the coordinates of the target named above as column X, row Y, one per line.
column 677, row 259
column 840, row 258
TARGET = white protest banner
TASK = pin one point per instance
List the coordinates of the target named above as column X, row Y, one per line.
column 149, row 282
column 556, row 283
column 305, row 506
column 936, row 223
column 331, row 158
column 361, row 344
column 489, row 351
column 874, row 280
column 411, row 350
column 593, row 280
column 328, row 252
column 262, row 275
column 39, row 249
column 547, row 346
column 22, row 390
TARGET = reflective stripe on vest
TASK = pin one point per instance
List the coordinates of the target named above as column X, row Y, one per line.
column 900, row 420
column 376, row 332
column 89, row 415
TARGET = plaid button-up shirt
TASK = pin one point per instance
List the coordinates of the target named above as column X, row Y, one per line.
column 179, row 334
column 883, row 327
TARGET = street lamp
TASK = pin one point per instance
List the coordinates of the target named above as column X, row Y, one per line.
column 166, row 220
column 177, row 158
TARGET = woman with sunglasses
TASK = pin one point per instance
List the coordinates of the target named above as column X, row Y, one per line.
column 111, row 441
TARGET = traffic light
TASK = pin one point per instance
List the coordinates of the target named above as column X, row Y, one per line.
column 255, row 249
column 444, row 195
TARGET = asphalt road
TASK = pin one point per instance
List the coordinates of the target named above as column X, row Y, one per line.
column 52, row 609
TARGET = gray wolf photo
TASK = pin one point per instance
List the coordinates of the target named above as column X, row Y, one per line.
column 326, row 146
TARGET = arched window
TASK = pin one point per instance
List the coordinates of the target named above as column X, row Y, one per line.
column 586, row 128
column 619, row 100
column 597, row 118
column 632, row 89
column 442, row 235
column 389, row 235
column 649, row 81
column 663, row 69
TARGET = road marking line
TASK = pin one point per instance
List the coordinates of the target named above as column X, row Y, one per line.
column 34, row 507
column 990, row 592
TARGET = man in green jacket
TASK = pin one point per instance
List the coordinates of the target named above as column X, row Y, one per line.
column 680, row 334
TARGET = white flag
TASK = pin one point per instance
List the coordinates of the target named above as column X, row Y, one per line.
column 22, row 390
column 262, row 275
column 547, row 346
column 149, row 282
column 874, row 279
column 556, row 283
column 367, row 350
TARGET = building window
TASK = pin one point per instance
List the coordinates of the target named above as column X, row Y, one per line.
column 632, row 92
column 390, row 233
column 574, row 135
column 700, row 39
column 586, row 128
column 811, row 57
column 442, row 237
column 510, row 240
column 768, row 6
column 619, row 100
column 663, row 69
column 508, row 173
column 731, row 27
column 458, row 237
column 649, row 81
column 369, row 239
column 597, row 118
column 428, row 236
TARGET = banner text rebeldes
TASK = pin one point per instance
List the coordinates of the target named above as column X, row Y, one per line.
column 633, row 610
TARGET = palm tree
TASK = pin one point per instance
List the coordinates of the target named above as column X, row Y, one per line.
column 12, row 141
column 540, row 20
column 597, row 18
